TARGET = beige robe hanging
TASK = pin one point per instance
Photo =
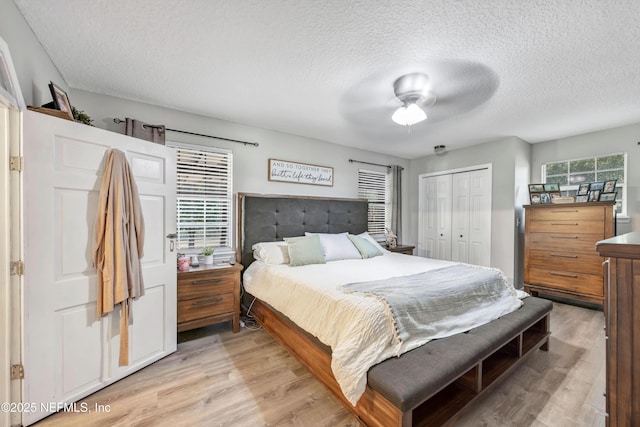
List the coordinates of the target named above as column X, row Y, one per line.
column 118, row 245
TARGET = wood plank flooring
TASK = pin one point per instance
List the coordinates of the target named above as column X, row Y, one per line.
column 217, row 378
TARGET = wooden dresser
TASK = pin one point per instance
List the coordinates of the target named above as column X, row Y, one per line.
column 559, row 249
column 208, row 295
column 622, row 314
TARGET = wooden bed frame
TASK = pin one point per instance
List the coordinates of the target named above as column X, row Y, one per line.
column 373, row 409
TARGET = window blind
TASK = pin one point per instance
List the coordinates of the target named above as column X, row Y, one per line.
column 203, row 199
column 376, row 188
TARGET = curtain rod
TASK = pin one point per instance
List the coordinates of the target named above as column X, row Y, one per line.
column 374, row 164
column 255, row 144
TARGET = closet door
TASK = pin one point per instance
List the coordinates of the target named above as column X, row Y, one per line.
column 443, row 217
column 69, row 352
column 460, row 217
column 428, row 217
column 479, row 213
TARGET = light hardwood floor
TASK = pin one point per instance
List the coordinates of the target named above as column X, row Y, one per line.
column 217, row 378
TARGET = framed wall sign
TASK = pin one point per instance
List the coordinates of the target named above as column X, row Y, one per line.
column 300, row 173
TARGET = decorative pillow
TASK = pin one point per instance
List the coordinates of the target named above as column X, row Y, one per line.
column 271, row 252
column 304, row 250
column 371, row 240
column 336, row 246
column 366, row 248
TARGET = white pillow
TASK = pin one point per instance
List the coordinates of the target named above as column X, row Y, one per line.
column 337, row 246
column 271, row 252
column 373, row 241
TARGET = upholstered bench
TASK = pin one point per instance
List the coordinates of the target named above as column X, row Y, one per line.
column 464, row 364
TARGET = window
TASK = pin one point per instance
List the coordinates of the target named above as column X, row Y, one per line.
column 376, row 188
column 203, row 199
column 571, row 173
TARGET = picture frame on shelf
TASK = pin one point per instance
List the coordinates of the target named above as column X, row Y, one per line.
column 596, row 186
column 554, row 186
column 582, row 198
column 583, row 190
column 61, row 99
column 594, row 195
column 609, row 186
column 607, row 197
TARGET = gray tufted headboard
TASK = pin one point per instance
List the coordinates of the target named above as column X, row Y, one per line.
column 269, row 218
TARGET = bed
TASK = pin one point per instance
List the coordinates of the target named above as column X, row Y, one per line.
column 404, row 382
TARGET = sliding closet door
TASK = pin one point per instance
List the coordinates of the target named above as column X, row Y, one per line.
column 69, row 353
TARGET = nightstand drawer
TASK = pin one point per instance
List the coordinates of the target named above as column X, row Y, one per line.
column 205, row 307
column 204, row 286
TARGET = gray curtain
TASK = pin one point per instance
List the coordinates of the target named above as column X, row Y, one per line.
column 138, row 129
column 396, row 201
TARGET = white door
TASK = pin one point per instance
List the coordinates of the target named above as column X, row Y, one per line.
column 68, row 352
column 435, row 217
column 460, row 217
column 479, row 231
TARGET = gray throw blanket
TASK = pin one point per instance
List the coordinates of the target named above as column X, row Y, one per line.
column 442, row 302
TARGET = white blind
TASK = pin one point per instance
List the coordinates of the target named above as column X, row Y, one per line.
column 204, row 198
column 375, row 187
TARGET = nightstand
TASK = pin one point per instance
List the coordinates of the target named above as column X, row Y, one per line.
column 403, row 249
column 209, row 294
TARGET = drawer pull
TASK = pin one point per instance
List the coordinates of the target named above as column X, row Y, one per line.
column 205, row 281
column 565, row 256
column 209, row 301
column 565, row 211
column 564, row 237
column 562, row 223
column 573, row 276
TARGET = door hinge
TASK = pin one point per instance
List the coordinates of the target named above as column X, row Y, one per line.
column 16, row 268
column 17, row 372
column 16, row 163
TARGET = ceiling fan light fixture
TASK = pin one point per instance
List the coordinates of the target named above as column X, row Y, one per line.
column 409, row 115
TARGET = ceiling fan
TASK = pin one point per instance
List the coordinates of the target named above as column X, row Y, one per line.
column 438, row 89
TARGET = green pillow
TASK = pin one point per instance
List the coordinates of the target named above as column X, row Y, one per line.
column 366, row 248
column 305, row 250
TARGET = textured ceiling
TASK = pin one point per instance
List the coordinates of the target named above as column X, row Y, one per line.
column 534, row 69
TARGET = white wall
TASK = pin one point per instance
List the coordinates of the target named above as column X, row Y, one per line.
column 250, row 163
column 33, row 65
column 501, row 154
column 617, row 140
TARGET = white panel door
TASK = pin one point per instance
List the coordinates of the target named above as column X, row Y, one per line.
column 460, row 217
column 428, row 210
column 479, row 242
column 69, row 352
column 443, row 218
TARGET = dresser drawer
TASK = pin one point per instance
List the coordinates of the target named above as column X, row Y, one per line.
column 205, row 307
column 205, row 285
column 577, row 242
column 580, row 213
column 566, row 261
column 568, row 281
column 567, row 226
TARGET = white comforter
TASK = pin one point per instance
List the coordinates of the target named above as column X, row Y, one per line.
column 358, row 328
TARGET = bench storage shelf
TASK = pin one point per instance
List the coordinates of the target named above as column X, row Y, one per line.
column 430, row 385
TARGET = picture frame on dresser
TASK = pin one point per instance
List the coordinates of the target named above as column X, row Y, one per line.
column 583, row 198
column 535, row 198
column 609, row 186
column 596, row 186
column 607, row 197
column 583, row 190
column 594, row 195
